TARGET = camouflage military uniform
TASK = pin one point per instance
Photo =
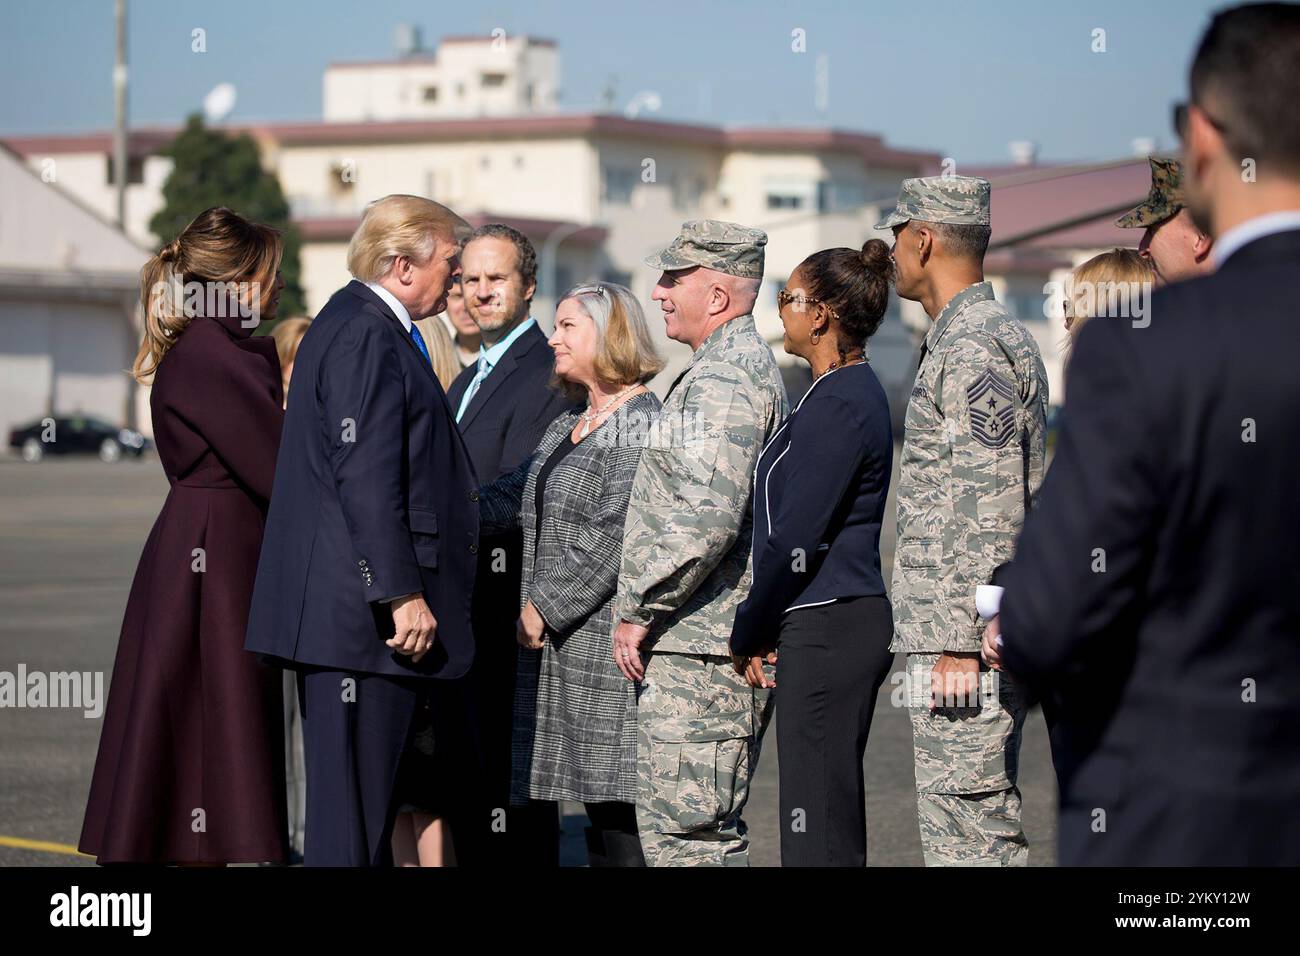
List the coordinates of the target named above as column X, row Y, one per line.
column 973, row 458
column 1163, row 202
column 686, row 567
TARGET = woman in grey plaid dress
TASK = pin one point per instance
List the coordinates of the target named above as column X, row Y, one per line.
column 574, row 712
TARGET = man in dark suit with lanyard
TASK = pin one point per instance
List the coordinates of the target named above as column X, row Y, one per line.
column 503, row 404
column 1155, row 592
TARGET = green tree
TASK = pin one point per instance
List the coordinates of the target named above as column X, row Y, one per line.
column 214, row 169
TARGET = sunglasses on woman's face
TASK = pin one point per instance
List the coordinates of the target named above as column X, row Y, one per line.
column 785, row 297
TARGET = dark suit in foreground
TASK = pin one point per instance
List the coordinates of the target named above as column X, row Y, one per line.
column 1173, row 672
column 374, row 498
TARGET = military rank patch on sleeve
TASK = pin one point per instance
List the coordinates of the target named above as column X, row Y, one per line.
column 992, row 403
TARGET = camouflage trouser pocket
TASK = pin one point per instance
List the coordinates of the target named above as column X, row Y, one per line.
column 696, row 769
column 966, row 750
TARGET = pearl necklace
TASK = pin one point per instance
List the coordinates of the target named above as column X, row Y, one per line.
column 589, row 417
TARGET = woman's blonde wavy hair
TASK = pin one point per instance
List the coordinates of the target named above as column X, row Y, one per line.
column 625, row 351
column 218, row 246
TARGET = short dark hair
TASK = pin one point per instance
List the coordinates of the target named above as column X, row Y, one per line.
column 1246, row 73
column 855, row 284
column 524, row 248
column 965, row 241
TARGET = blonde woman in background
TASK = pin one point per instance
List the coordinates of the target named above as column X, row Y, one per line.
column 288, row 334
column 442, row 350
column 1088, row 293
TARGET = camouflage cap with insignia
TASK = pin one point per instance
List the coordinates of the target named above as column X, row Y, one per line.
column 959, row 200
column 723, row 246
column 1164, row 200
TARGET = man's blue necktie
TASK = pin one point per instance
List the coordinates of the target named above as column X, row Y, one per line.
column 419, row 343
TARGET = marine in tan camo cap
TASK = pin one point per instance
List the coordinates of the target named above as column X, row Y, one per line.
column 958, row 200
column 722, row 246
column 1165, row 199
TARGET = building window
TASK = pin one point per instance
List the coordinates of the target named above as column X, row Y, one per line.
column 777, row 200
column 840, row 197
column 494, row 79
column 430, row 94
column 687, row 192
column 134, row 171
column 1027, row 307
column 619, row 183
column 342, row 177
column 618, row 277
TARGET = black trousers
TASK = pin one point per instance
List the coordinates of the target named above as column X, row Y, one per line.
column 831, row 661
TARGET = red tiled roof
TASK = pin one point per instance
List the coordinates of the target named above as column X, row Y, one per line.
column 872, row 148
column 1062, row 207
column 340, row 228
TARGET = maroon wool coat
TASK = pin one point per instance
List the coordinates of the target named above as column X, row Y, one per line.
column 191, row 763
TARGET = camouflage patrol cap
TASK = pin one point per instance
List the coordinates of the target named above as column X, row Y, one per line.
column 1164, row 200
column 714, row 244
column 959, row 200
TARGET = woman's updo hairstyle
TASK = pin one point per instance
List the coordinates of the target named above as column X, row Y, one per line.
column 855, row 285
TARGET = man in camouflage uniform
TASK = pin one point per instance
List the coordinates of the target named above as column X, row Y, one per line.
column 972, row 461
column 686, row 554
column 1176, row 248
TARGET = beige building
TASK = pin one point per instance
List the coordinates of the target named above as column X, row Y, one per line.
column 594, row 192
column 467, row 76
column 69, row 307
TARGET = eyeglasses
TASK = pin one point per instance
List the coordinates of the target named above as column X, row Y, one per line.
column 1180, row 120
column 785, row 297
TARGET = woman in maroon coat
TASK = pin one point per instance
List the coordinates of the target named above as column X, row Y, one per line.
column 190, row 766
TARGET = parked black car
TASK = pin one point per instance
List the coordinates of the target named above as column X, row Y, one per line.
column 77, row 435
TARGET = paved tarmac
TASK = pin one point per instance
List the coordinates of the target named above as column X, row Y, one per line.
column 71, row 532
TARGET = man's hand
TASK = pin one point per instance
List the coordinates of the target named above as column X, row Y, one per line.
column 751, row 668
column 414, row 626
column 627, row 649
column 991, row 647
column 530, row 630
column 955, row 680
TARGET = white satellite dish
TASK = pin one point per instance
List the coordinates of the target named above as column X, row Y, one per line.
column 219, row 102
column 645, row 100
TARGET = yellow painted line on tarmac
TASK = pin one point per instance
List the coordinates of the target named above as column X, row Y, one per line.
column 40, row 846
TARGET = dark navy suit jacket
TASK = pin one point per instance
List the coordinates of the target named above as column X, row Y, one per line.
column 375, row 497
column 819, row 497
column 1154, row 596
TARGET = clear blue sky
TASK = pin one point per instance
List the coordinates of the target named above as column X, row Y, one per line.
column 960, row 77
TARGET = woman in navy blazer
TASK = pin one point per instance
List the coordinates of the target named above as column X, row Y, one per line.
column 818, row 594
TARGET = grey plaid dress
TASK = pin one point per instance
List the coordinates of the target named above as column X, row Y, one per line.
column 574, row 735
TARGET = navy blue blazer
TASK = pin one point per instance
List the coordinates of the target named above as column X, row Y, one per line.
column 1171, row 668
column 819, row 499
column 375, row 497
